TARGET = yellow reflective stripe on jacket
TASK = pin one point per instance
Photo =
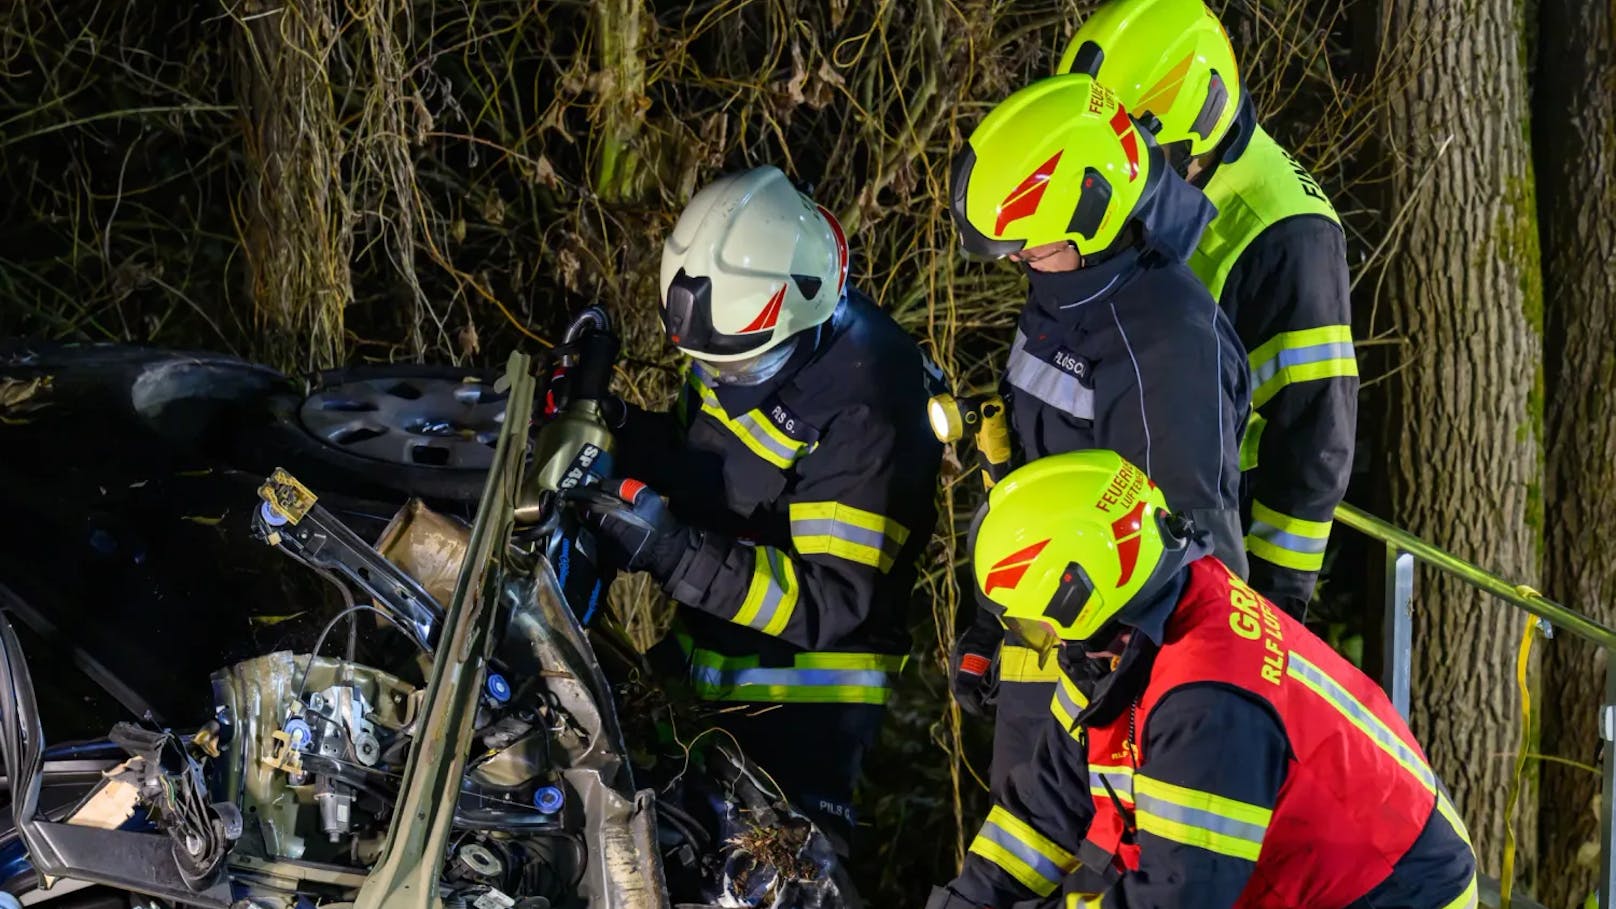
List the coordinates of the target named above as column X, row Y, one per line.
column 1286, row 541
column 1085, row 901
column 1360, row 716
column 1020, row 664
column 1066, row 704
column 1301, row 356
column 1251, row 442
column 1118, row 776
column 1022, row 852
column 1469, row 898
column 754, row 428
column 819, row 677
column 1203, row 819
column 832, row 528
column 772, row 596
column 1444, row 806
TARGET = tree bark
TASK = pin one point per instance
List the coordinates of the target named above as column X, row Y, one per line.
column 295, row 230
column 1574, row 128
column 1463, row 437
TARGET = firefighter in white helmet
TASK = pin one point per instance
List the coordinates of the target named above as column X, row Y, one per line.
column 799, row 473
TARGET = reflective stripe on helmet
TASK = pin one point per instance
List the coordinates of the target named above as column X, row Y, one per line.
column 1022, row 852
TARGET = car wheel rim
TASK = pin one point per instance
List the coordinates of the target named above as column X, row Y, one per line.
column 432, row 423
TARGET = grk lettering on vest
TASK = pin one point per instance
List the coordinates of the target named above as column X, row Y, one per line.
column 1253, row 619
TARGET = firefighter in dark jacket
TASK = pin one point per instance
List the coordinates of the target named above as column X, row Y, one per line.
column 1228, row 756
column 800, row 476
column 1119, row 345
column 1274, row 258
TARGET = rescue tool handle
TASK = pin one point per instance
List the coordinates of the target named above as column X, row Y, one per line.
column 591, row 379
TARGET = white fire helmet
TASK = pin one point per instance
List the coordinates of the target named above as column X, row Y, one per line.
column 751, row 263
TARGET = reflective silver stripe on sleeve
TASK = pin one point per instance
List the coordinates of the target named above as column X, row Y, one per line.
column 1048, row 383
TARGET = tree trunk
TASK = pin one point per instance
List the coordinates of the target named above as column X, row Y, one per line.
column 1574, row 125
column 295, row 230
column 1463, row 436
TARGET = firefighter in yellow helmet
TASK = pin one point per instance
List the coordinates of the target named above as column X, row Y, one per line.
column 1227, row 756
column 1275, row 259
column 1119, row 346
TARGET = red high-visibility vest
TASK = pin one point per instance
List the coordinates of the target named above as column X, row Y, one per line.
column 1358, row 789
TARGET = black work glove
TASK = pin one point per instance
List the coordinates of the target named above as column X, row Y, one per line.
column 970, row 665
column 635, row 530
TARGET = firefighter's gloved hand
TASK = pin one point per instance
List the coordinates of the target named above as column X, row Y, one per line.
column 970, row 667
column 635, row 529
column 946, row 898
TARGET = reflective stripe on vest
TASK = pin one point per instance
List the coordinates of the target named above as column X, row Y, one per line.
column 1286, row 541
column 821, row 677
column 1222, row 633
column 832, row 528
column 1047, row 382
column 1022, row 852
column 754, row 428
column 1118, row 776
column 1251, row 194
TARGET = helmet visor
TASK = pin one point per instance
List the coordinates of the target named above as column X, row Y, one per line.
column 752, row 370
column 1034, row 634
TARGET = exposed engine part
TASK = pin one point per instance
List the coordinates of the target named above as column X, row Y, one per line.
column 283, row 753
column 336, row 807
column 475, row 862
column 341, row 725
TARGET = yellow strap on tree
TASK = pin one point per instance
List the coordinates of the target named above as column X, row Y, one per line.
column 1523, row 660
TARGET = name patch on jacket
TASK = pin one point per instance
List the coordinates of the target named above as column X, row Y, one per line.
column 787, row 421
column 1073, row 365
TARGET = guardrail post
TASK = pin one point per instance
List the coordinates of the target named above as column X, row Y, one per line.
column 1398, row 635
column 1607, row 786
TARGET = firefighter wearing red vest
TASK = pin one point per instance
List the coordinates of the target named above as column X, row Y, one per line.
column 1227, row 756
column 1275, row 258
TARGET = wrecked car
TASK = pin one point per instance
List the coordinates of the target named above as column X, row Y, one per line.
column 275, row 643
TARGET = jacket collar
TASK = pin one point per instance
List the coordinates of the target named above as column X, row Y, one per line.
column 738, row 399
column 1174, row 217
column 1059, row 296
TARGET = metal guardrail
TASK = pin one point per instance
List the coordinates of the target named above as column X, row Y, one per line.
column 1403, row 549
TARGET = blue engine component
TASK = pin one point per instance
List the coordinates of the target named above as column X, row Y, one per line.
column 498, row 690
column 549, row 799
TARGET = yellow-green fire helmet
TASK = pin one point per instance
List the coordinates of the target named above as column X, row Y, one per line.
column 1058, row 160
column 1167, row 58
column 1068, row 541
